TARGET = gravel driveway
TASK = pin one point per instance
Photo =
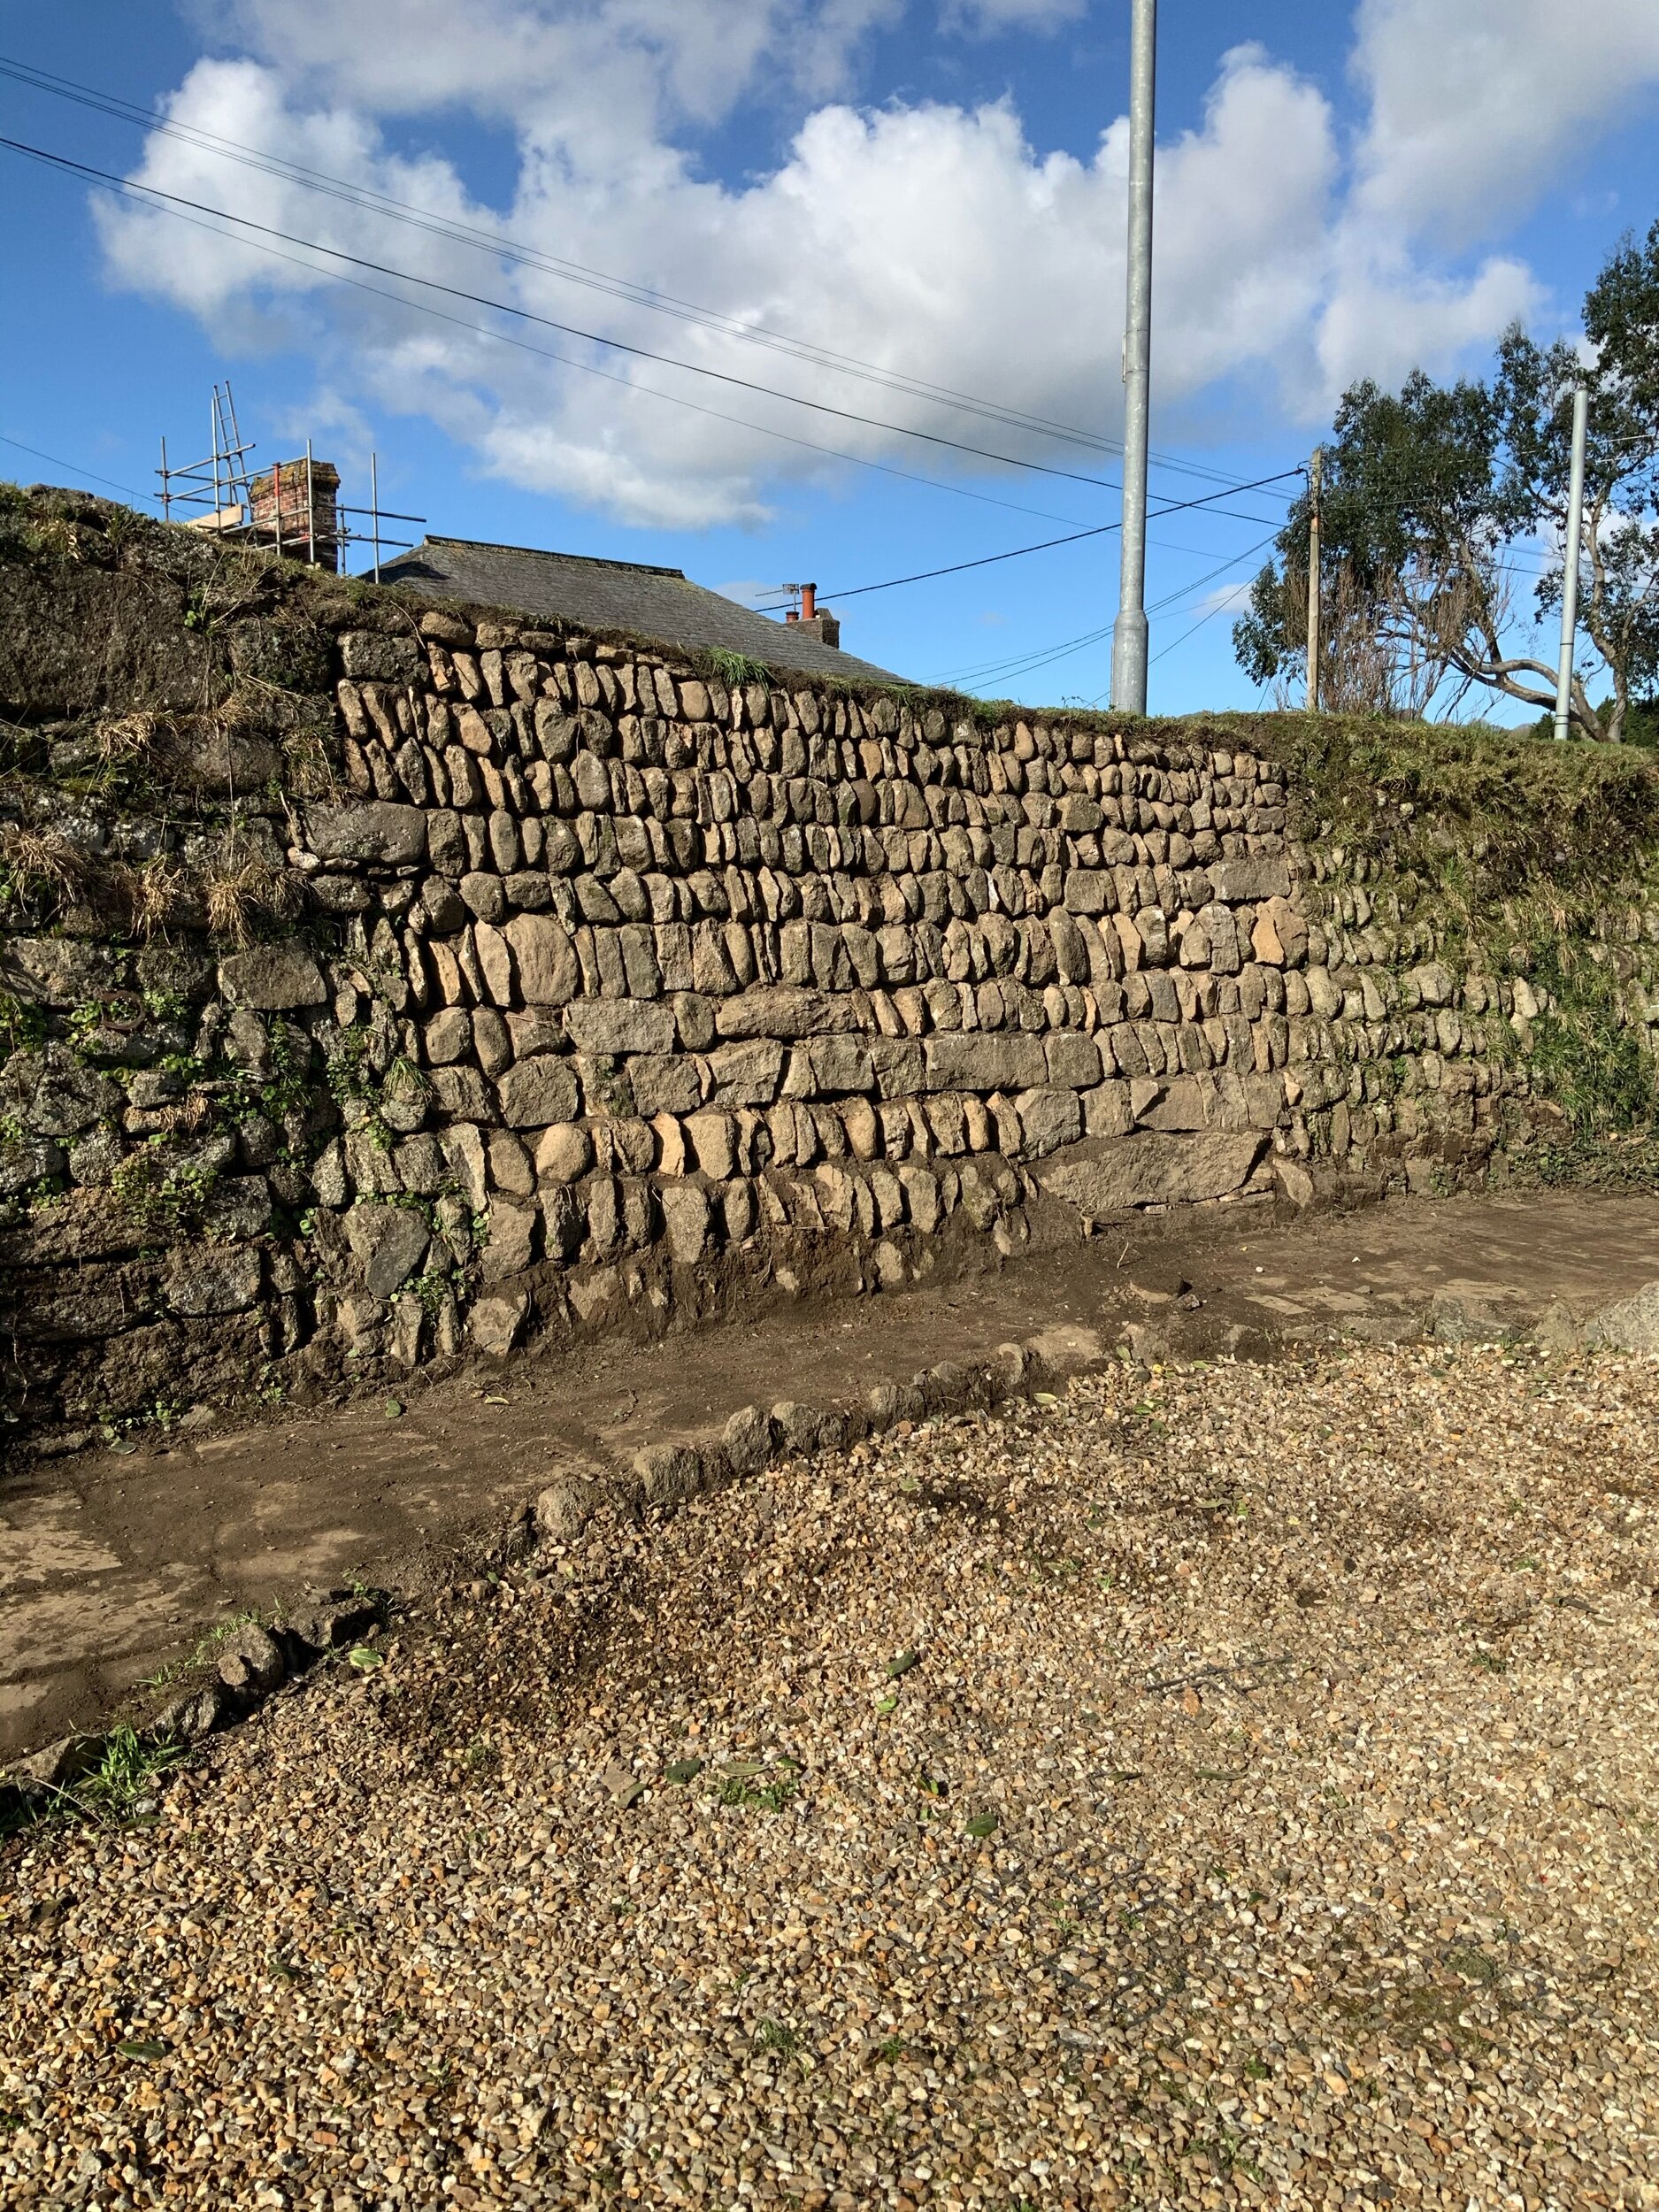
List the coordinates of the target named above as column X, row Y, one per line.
column 1220, row 1785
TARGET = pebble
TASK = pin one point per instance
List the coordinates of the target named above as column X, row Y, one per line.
column 1266, row 1816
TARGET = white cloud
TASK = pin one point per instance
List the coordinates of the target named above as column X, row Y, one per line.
column 1225, row 599
column 988, row 18
column 1476, row 107
column 1386, row 317
column 594, row 76
column 932, row 240
column 917, row 238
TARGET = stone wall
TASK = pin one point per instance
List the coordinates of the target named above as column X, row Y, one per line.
column 583, row 989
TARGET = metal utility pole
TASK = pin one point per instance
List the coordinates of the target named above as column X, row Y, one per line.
column 1129, row 633
column 1570, row 581
column 1315, row 479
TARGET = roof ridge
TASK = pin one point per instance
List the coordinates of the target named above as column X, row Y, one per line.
column 548, row 553
column 633, row 598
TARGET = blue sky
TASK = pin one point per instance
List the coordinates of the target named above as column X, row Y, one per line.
column 930, row 188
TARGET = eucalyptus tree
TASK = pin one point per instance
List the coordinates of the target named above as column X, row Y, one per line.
column 1439, row 503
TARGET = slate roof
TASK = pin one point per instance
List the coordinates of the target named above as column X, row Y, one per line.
column 659, row 604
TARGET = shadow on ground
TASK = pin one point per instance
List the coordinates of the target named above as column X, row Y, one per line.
column 110, row 1564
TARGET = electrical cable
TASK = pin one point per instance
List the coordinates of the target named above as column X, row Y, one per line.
column 387, row 205
column 173, row 205
column 608, row 376
column 1026, row 664
column 576, row 273
column 91, row 475
column 985, row 560
column 1005, row 671
column 503, row 307
column 1023, row 663
column 1174, row 598
column 1209, row 617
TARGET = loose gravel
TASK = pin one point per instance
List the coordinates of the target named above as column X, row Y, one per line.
column 1215, row 1785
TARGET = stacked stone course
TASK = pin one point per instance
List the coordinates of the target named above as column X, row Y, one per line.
column 693, row 961
column 637, row 993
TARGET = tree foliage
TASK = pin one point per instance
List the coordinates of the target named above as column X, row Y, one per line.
column 1430, row 495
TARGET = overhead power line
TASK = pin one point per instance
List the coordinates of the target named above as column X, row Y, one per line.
column 607, row 376
column 91, row 475
column 1023, row 664
column 1101, row 530
column 149, row 192
column 175, row 205
column 1208, row 614
column 1005, row 672
column 1043, row 656
column 506, row 248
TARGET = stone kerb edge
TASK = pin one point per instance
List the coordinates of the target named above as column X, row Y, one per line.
column 256, row 1662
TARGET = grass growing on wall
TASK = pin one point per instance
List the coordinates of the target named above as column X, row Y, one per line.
column 1517, row 849
column 1516, row 811
column 1594, row 1063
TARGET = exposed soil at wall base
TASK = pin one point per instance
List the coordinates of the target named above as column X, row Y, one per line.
column 112, row 1563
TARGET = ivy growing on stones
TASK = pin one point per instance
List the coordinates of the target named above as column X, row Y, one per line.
column 22, row 1027
column 353, row 1082
column 157, row 1195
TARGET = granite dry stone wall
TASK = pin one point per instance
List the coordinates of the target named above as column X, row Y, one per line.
column 611, row 994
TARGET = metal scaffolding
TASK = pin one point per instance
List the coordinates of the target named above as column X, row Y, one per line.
column 293, row 508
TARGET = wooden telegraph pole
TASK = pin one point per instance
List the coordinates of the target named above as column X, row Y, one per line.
column 1316, row 474
column 1570, row 579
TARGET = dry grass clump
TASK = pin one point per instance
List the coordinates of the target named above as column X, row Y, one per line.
column 187, row 1117
column 124, row 740
column 240, row 894
column 302, row 726
column 311, row 773
column 55, row 538
column 40, row 861
column 250, row 708
column 156, row 897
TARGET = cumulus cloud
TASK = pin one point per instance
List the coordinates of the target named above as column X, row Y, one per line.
column 1386, row 317
column 1474, row 110
column 592, row 75
column 987, row 18
column 932, row 240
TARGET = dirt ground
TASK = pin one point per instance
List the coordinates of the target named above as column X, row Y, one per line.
column 113, row 1561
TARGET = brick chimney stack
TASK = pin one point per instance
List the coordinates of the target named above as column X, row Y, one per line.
column 293, row 508
column 823, row 625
